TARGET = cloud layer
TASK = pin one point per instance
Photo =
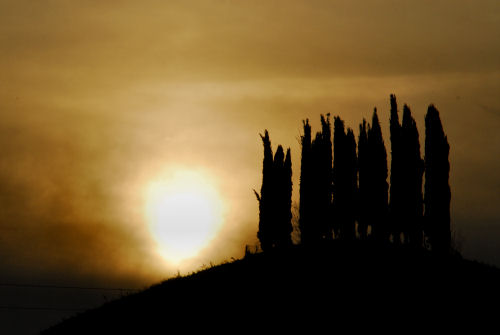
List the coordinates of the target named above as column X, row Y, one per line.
column 96, row 100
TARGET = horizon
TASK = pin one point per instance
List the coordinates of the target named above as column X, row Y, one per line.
column 106, row 110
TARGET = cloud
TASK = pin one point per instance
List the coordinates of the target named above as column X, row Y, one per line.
column 102, row 44
column 98, row 99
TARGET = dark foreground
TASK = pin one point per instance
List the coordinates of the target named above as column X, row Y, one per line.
column 358, row 285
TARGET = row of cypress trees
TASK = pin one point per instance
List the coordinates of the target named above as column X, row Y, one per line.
column 348, row 185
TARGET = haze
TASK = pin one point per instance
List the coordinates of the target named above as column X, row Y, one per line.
column 99, row 99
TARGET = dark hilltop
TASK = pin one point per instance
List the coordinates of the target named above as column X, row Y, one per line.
column 376, row 248
column 322, row 286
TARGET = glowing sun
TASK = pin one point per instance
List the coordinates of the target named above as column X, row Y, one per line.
column 184, row 213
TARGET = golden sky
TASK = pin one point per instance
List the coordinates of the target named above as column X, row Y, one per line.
column 100, row 98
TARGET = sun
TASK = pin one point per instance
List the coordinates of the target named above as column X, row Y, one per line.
column 184, row 213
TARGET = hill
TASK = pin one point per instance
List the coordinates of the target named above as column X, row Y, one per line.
column 325, row 285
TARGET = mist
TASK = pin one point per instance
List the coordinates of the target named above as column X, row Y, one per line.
column 98, row 100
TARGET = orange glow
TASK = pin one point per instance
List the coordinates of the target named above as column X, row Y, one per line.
column 184, row 213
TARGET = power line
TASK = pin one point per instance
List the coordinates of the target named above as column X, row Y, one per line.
column 31, row 308
column 68, row 287
column 57, row 309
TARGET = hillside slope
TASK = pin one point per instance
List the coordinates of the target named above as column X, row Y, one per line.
column 332, row 283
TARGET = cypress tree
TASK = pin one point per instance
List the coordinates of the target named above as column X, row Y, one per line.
column 396, row 205
column 344, row 180
column 338, row 168
column 364, row 181
column 278, row 201
column 306, row 188
column 284, row 222
column 288, row 196
column 275, row 198
column 325, row 171
column 377, row 192
column 437, row 188
column 320, row 211
column 266, row 195
column 413, row 169
column 351, row 185
column 316, row 184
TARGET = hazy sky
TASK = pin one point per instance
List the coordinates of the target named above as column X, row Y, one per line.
column 98, row 99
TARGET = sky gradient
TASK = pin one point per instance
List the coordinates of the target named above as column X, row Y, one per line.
column 97, row 100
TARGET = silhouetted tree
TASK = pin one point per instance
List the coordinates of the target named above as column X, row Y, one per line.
column 286, row 231
column 344, row 180
column 396, row 204
column 316, row 184
column 364, row 182
column 283, row 198
column 265, row 197
column 351, row 185
column 278, row 201
column 406, row 178
column 380, row 188
column 413, row 169
column 437, row 187
column 338, row 161
column 275, row 198
column 306, row 186
column 324, row 171
column 373, row 187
